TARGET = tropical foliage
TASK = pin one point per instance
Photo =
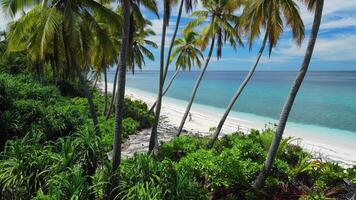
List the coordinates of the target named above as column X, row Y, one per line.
column 59, row 139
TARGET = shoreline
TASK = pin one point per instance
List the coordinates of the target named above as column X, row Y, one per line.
column 205, row 117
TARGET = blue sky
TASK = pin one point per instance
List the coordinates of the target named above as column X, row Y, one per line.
column 335, row 48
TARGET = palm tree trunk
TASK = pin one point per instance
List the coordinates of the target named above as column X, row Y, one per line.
column 173, row 39
column 89, row 97
column 167, row 88
column 121, row 86
column 259, row 182
column 197, row 83
column 153, row 145
column 113, row 94
column 169, row 54
column 238, row 93
column 105, row 92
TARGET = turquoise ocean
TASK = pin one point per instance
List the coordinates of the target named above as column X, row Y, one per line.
column 325, row 104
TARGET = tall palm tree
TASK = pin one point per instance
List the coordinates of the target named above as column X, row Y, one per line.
column 187, row 54
column 164, row 66
column 221, row 28
column 140, row 49
column 317, row 7
column 268, row 15
column 153, row 144
column 34, row 32
column 188, row 7
column 138, row 24
column 119, row 112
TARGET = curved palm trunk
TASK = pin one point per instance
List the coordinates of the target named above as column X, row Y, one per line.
column 173, row 39
column 89, row 97
column 113, row 94
column 153, row 145
column 167, row 88
column 291, row 97
column 105, row 92
column 238, row 93
column 197, row 83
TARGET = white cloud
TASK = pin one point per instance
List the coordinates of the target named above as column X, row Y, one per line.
column 337, row 48
column 339, row 23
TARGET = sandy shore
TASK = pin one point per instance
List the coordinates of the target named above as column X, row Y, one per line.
column 204, row 118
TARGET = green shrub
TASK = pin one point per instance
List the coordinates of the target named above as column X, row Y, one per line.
column 129, row 126
column 143, row 176
column 138, row 111
column 216, row 171
column 181, row 146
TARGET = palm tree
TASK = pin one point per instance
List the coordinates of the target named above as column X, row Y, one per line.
column 138, row 23
column 34, row 32
column 121, row 83
column 317, row 6
column 268, row 15
column 164, row 66
column 153, row 144
column 221, row 28
column 189, row 6
column 187, row 54
column 119, row 112
column 140, row 49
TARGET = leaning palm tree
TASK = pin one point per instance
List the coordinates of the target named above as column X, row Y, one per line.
column 221, row 28
column 153, row 144
column 317, row 7
column 186, row 54
column 268, row 15
column 188, row 7
column 164, row 66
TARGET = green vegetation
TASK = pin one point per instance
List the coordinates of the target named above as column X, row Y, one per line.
column 60, row 138
column 48, row 143
column 50, row 146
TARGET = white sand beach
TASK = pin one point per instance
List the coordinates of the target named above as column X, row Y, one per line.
column 203, row 118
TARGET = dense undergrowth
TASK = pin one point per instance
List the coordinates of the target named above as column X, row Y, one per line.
column 49, row 146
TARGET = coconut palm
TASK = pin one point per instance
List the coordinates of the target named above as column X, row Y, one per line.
column 267, row 15
column 153, row 144
column 119, row 112
column 188, row 6
column 140, row 47
column 138, row 23
column 73, row 19
column 221, row 28
column 187, row 54
column 317, row 7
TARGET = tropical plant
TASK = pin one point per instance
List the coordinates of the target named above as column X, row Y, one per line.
column 138, row 35
column 269, row 15
column 220, row 28
column 317, row 7
column 119, row 114
column 186, row 54
column 35, row 31
column 188, row 7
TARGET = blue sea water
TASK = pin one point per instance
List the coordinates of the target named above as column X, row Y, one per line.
column 325, row 100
